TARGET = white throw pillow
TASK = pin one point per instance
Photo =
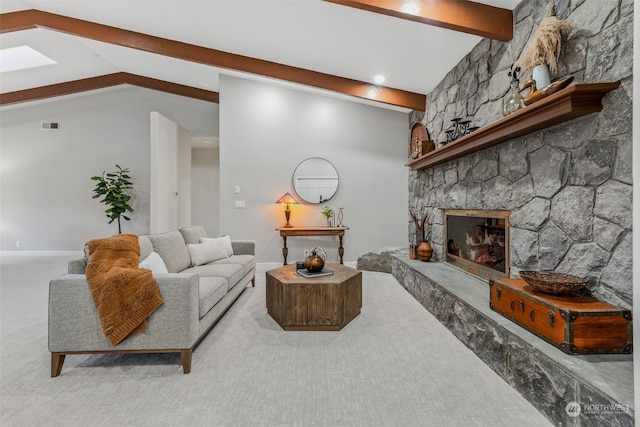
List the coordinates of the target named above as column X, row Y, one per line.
column 202, row 253
column 226, row 241
column 154, row 263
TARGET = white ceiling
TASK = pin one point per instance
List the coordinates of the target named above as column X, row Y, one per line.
column 309, row 34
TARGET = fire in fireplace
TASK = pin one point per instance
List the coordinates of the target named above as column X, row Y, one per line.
column 478, row 242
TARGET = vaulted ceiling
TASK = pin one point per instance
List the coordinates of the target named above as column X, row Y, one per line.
column 182, row 47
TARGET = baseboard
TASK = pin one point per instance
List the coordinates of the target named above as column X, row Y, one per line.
column 79, row 254
column 262, row 266
column 266, row 266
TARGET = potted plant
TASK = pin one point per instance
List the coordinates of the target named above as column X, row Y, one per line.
column 112, row 186
column 424, row 251
column 543, row 50
column 328, row 212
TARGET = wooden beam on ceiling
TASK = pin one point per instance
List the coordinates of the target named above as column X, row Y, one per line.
column 458, row 15
column 100, row 82
column 28, row 19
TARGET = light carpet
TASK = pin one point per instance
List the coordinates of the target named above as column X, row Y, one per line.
column 393, row 365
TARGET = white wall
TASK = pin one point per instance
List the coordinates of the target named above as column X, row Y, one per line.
column 267, row 130
column 163, row 173
column 184, row 177
column 45, row 190
column 170, row 170
column 205, row 189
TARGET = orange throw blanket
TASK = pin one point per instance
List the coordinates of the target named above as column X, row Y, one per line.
column 124, row 294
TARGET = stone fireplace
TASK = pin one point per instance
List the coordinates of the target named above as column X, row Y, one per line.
column 569, row 186
column 568, row 190
column 477, row 242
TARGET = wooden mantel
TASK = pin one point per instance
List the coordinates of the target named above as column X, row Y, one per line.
column 566, row 104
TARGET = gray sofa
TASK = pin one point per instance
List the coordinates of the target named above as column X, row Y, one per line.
column 195, row 297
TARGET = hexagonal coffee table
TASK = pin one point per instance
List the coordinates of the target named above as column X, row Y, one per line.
column 324, row 303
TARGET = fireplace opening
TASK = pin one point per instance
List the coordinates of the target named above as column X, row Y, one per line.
column 478, row 242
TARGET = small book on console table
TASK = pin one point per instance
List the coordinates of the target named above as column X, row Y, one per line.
column 307, row 274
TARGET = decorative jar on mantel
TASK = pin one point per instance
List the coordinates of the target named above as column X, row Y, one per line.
column 425, row 251
column 513, row 101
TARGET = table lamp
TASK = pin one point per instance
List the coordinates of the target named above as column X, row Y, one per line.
column 287, row 199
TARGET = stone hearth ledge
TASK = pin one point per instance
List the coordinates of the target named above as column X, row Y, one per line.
column 542, row 373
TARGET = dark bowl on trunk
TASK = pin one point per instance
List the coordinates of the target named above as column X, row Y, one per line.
column 553, row 283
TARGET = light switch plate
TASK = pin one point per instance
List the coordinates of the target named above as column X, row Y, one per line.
column 236, row 189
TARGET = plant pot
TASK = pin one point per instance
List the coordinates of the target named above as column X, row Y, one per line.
column 425, row 251
column 541, row 76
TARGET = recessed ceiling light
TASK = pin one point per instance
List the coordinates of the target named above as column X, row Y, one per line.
column 379, row 79
column 412, row 8
column 22, row 57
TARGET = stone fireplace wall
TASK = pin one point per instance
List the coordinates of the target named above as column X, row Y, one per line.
column 569, row 187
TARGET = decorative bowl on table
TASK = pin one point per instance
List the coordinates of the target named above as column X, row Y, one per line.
column 554, row 283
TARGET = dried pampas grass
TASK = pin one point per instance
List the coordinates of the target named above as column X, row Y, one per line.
column 545, row 46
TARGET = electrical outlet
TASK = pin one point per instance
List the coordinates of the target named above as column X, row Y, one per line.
column 305, row 254
column 17, row 243
column 239, row 204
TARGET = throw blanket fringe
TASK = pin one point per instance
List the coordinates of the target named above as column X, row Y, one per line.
column 124, row 295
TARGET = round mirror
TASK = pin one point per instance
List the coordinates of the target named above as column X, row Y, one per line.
column 315, row 180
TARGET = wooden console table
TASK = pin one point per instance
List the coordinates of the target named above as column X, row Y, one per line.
column 311, row 231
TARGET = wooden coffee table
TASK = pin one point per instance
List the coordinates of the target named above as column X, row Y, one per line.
column 324, row 303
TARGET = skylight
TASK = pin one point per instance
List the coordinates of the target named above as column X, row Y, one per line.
column 22, row 57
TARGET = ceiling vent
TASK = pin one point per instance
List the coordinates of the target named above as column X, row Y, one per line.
column 50, row 126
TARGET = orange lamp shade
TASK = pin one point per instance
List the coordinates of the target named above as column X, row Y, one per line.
column 287, row 200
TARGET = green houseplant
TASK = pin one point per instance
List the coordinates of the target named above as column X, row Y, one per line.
column 112, row 186
column 327, row 211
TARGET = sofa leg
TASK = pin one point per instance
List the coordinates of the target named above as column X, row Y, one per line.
column 185, row 355
column 253, row 281
column 57, row 360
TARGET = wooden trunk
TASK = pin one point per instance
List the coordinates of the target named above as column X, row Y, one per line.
column 575, row 324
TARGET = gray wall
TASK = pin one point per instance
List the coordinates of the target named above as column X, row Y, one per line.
column 45, row 190
column 267, row 130
column 205, row 189
column 45, row 199
column 568, row 187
